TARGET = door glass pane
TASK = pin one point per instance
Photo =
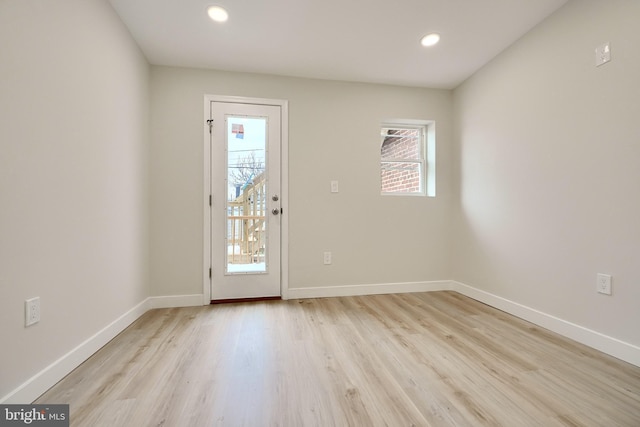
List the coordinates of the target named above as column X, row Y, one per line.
column 247, row 218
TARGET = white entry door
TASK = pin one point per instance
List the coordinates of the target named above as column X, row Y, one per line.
column 246, row 200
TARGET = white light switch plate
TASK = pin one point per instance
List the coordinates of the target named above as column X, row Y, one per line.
column 334, row 186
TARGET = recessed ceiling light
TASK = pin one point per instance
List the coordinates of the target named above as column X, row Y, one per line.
column 430, row 39
column 218, row 14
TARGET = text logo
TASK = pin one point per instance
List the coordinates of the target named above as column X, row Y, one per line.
column 34, row 415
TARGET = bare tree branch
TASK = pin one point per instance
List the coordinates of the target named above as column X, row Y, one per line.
column 247, row 168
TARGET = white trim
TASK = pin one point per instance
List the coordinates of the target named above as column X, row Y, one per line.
column 206, row 217
column 609, row 345
column 284, row 189
column 50, row 375
column 430, row 146
column 370, row 289
column 612, row 346
column 176, row 301
column 31, row 389
column 428, row 142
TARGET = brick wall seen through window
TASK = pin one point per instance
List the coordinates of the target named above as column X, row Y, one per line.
column 402, row 161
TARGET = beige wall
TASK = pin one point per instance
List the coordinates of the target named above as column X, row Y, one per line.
column 536, row 189
column 547, row 150
column 73, row 178
column 333, row 135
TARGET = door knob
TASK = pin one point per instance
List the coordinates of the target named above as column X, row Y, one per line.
column 275, row 198
column 275, row 211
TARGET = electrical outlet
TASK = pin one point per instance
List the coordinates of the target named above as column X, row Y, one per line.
column 32, row 311
column 327, row 258
column 604, row 284
column 603, row 54
column 334, row 187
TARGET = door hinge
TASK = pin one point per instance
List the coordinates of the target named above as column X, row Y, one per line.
column 210, row 199
column 209, row 272
column 210, row 123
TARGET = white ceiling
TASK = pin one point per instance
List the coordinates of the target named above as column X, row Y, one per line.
column 353, row 40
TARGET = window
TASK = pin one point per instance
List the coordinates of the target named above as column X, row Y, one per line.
column 406, row 155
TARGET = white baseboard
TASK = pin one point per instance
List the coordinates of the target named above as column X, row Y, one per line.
column 609, row 345
column 49, row 376
column 606, row 344
column 372, row 289
column 176, row 301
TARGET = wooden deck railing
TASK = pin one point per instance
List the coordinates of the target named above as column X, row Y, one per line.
column 246, row 224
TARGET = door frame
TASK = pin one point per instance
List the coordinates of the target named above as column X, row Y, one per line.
column 284, row 189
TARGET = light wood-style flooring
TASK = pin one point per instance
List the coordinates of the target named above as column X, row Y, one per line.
column 425, row 359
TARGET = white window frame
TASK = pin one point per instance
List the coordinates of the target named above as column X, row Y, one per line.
column 427, row 162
